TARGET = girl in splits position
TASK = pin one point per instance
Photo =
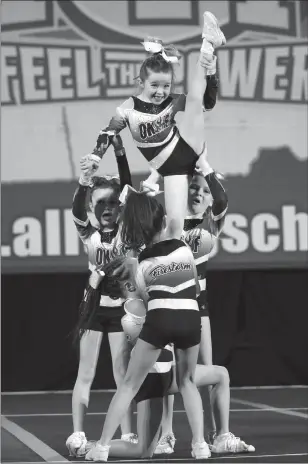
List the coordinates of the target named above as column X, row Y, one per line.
column 171, row 149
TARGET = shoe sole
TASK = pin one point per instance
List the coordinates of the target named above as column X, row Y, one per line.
column 201, row 457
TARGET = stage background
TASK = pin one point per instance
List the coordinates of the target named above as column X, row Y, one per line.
column 65, row 68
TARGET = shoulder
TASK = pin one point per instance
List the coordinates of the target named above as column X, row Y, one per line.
column 126, row 106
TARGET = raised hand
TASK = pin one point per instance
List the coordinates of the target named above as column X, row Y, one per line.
column 88, row 166
column 117, row 143
column 208, row 62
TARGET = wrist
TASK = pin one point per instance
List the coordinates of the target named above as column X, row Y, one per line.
column 85, row 181
column 120, row 151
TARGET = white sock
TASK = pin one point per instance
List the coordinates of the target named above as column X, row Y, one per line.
column 207, row 47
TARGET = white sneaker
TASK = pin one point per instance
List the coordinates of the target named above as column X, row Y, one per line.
column 98, row 453
column 229, row 443
column 211, row 30
column 76, row 444
column 200, row 451
column 165, row 444
column 130, row 438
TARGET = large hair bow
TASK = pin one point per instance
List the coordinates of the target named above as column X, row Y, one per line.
column 169, row 53
column 150, row 190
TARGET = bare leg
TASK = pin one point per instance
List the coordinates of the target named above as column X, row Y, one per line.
column 206, row 358
column 220, row 394
column 167, row 415
column 176, row 192
column 89, row 351
column 143, row 358
column 149, row 415
column 120, row 357
column 186, row 365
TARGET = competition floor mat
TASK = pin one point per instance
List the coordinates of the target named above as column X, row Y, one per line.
column 35, row 426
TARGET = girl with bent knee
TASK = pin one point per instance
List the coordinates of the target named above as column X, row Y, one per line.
column 161, row 382
column 206, row 210
column 171, row 149
column 166, row 280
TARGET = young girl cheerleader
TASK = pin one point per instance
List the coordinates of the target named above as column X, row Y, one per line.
column 160, row 382
column 166, row 280
column 206, row 209
column 102, row 245
column 170, row 149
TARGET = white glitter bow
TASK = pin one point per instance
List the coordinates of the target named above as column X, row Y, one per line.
column 157, row 47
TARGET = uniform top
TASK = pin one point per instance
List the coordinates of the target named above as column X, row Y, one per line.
column 167, row 276
column 201, row 243
column 151, row 125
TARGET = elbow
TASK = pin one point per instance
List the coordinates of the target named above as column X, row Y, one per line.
column 220, row 206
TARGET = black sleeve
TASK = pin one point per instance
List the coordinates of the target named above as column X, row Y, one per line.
column 210, row 95
column 123, row 168
column 220, row 198
column 80, row 216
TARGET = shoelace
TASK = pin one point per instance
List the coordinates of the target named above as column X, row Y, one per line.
column 233, row 442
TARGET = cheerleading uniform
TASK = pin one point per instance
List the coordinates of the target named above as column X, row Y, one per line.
column 167, row 276
column 101, row 248
column 154, row 130
column 159, row 379
column 201, row 241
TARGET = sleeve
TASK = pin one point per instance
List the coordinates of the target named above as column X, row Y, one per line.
column 220, row 199
column 140, row 281
column 210, row 95
column 116, row 124
column 124, row 171
column 80, row 216
column 118, row 121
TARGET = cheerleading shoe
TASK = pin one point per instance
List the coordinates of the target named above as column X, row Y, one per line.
column 98, row 453
column 229, row 443
column 130, row 438
column 201, row 451
column 76, row 444
column 165, row 444
column 211, row 30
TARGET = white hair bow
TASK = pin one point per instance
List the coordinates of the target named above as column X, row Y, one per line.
column 150, row 190
column 157, row 47
column 123, row 197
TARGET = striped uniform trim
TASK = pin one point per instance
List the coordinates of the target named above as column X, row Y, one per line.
column 176, row 289
column 105, row 300
column 167, row 303
column 219, row 216
column 187, row 294
column 164, row 362
column 80, row 222
column 164, row 154
column 201, row 259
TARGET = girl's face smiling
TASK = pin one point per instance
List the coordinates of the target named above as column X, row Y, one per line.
column 157, row 87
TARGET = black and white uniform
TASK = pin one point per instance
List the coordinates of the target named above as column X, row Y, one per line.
column 101, row 248
column 154, row 130
column 201, row 241
column 160, row 377
column 167, row 276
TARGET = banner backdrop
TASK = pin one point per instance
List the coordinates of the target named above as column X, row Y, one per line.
column 67, row 65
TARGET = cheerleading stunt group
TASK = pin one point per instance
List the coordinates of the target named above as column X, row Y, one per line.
column 147, row 268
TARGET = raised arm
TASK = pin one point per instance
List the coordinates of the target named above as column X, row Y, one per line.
column 220, row 198
column 123, row 167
